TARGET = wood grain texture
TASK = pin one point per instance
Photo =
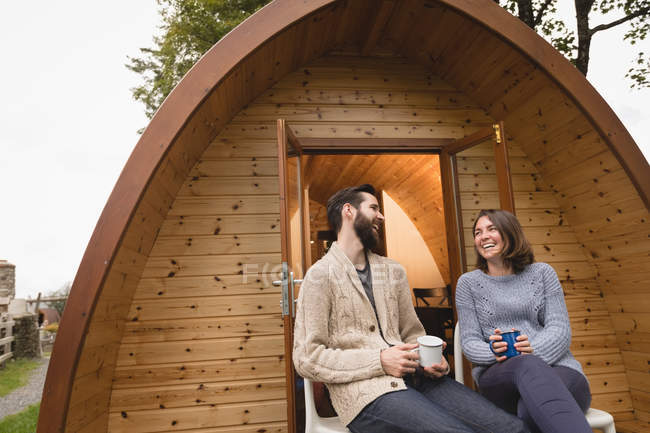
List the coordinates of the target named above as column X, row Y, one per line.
column 550, row 110
column 554, row 241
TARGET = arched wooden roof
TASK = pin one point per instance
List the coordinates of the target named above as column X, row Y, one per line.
column 456, row 39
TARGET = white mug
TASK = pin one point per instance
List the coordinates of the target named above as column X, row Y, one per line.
column 430, row 350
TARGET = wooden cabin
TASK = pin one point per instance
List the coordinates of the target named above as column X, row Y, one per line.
column 448, row 106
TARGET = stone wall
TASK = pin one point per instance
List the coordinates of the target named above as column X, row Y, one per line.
column 27, row 343
column 7, row 279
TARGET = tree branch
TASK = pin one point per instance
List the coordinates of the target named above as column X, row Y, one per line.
column 640, row 12
column 540, row 12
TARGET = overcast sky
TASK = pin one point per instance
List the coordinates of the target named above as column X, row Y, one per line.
column 68, row 122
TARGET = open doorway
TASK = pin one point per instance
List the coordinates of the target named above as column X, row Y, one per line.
column 410, row 193
column 433, row 187
column 409, row 190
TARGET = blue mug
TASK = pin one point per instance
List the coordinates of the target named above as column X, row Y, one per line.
column 510, row 338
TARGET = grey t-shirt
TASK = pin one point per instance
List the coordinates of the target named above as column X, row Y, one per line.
column 366, row 281
column 365, row 275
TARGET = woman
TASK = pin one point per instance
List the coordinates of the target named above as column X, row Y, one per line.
column 544, row 385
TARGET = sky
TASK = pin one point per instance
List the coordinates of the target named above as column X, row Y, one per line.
column 68, row 122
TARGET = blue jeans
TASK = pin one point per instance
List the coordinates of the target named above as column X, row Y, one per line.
column 434, row 406
column 549, row 399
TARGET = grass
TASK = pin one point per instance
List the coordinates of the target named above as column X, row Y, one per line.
column 15, row 374
column 21, row 422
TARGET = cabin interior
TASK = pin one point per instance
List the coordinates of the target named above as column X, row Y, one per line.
column 410, row 195
column 187, row 332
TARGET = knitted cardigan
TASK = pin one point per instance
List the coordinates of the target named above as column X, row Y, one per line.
column 337, row 338
column 531, row 301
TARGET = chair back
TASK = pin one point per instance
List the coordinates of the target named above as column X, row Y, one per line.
column 421, row 295
column 458, row 355
column 314, row 423
column 310, row 405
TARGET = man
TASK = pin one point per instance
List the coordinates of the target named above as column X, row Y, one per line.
column 356, row 328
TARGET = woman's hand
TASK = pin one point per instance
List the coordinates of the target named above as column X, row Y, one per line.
column 523, row 344
column 498, row 346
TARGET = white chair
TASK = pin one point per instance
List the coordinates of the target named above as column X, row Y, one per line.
column 315, row 423
column 598, row 419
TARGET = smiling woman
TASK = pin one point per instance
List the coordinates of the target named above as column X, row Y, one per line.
column 167, row 328
column 501, row 244
column 547, row 389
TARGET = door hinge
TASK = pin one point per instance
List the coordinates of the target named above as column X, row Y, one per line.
column 497, row 132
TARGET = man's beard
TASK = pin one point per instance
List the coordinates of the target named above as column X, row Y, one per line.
column 363, row 228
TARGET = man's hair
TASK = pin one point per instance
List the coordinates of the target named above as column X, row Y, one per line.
column 517, row 251
column 350, row 195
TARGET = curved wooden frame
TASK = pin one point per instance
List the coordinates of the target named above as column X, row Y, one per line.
column 188, row 96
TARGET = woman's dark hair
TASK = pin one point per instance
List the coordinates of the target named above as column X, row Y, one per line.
column 517, row 252
column 350, row 195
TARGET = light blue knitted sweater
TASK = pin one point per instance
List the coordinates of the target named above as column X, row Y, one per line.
column 531, row 301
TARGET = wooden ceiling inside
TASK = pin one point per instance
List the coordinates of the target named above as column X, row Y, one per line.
column 413, row 181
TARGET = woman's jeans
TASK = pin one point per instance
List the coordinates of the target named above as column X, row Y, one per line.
column 434, row 406
column 549, row 399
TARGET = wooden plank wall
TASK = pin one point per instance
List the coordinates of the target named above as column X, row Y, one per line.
column 88, row 402
column 554, row 242
column 203, row 342
column 202, row 350
column 575, row 163
column 346, row 96
column 90, row 396
column 317, row 222
column 349, row 96
column 610, row 221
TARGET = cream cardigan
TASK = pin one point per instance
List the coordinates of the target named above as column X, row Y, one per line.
column 337, row 338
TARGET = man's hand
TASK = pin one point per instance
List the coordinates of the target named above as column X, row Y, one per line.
column 436, row 371
column 399, row 360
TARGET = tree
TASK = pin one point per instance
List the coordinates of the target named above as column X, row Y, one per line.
column 64, row 291
column 189, row 28
column 541, row 16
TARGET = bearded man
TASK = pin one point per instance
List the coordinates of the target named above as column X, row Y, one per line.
column 355, row 331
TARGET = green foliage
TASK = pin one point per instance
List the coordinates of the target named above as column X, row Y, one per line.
column 189, row 28
column 541, row 15
column 15, row 374
column 639, row 74
column 21, row 422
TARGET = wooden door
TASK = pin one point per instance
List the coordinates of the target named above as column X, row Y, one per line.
column 473, row 162
column 293, row 254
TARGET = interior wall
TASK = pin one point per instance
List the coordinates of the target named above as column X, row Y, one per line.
column 317, row 222
column 405, row 245
column 412, row 180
